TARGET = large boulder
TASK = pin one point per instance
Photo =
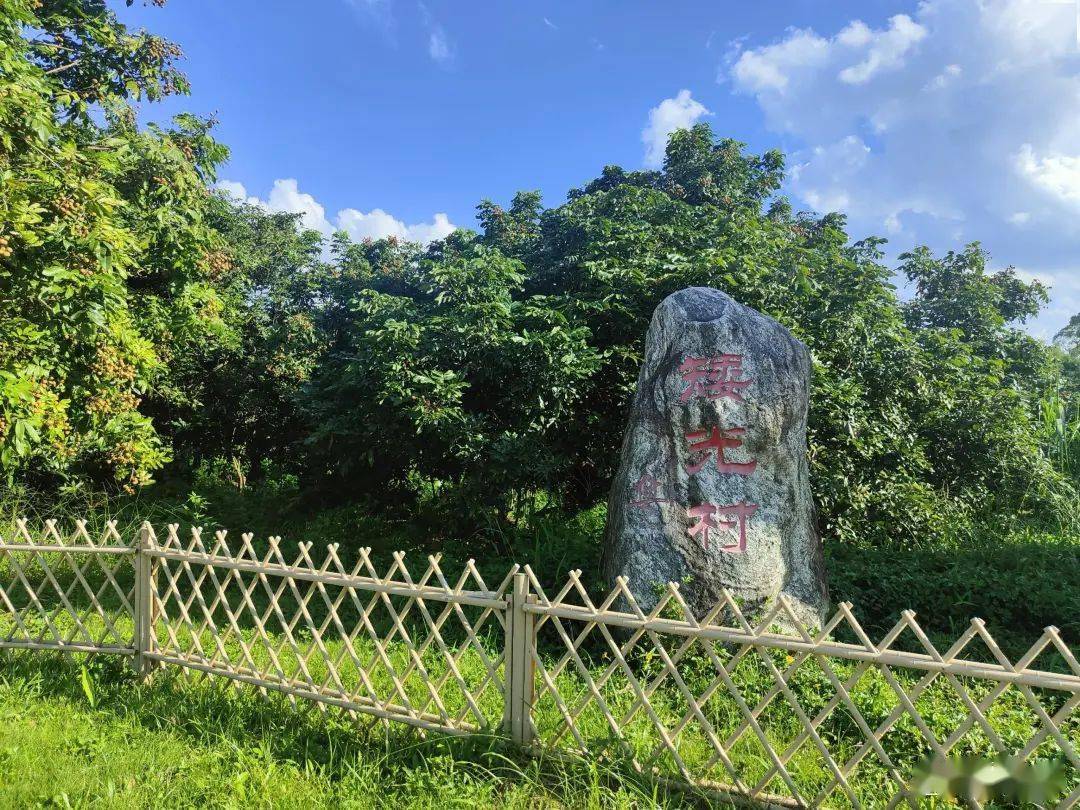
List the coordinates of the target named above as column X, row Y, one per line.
column 713, row 486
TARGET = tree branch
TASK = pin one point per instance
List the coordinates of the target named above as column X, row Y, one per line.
column 62, row 68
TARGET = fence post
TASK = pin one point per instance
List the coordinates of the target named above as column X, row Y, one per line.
column 520, row 642
column 144, row 606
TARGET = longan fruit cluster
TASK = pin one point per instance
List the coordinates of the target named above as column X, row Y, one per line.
column 65, row 206
column 123, row 454
column 156, row 47
column 105, row 405
column 85, row 265
column 110, row 365
column 218, row 263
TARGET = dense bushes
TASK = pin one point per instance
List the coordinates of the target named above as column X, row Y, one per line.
column 925, row 413
column 107, row 266
column 488, row 374
column 449, row 375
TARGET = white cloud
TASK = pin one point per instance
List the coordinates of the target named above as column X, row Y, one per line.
column 424, row 232
column 1055, row 173
column 550, row 24
column 942, row 79
column 959, row 122
column 767, row 69
column 235, row 190
column 884, row 50
column 286, row 197
column 859, row 52
column 377, row 224
column 669, row 115
column 439, row 47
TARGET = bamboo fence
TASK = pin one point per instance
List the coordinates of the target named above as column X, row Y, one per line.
column 760, row 710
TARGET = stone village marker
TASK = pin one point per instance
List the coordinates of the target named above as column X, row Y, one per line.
column 713, row 485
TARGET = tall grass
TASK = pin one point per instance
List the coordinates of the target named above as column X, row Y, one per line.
column 227, row 746
column 1060, row 422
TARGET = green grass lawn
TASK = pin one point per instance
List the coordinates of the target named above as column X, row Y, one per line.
column 100, row 739
column 82, row 731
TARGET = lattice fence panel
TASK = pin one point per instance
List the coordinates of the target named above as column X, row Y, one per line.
column 69, row 592
column 794, row 717
column 423, row 650
column 764, row 709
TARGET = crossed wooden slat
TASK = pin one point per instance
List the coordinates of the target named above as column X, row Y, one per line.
column 33, row 594
column 575, row 617
column 380, row 645
column 210, row 592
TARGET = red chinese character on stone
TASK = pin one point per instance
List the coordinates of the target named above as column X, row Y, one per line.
column 647, row 492
column 704, row 444
column 732, row 517
column 713, row 377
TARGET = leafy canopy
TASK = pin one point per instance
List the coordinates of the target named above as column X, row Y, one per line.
column 146, row 318
column 496, row 365
column 107, row 263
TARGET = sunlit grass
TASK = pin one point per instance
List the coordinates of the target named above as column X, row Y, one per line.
column 204, row 710
column 266, row 751
column 179, row 743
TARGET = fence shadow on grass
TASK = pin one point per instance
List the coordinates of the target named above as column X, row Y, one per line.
column 216, row 712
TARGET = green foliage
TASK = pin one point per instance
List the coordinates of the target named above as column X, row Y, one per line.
column 1017, row 580
column 238, row 397
column 1061, row 431
column 488, row 369
column 488, row 376
column 1061, row 413
column 923, row 413
column 106, row 261
column 1068, row 339
column 446, row 373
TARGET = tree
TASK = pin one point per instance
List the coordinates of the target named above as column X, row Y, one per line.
column 500, row 365
column 239, row 400
column 1068, row 341
column 144, row 315
column 922, row 413
column 446, row 376
column 107, row 264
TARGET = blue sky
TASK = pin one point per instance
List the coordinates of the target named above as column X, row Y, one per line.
column 937, row 122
